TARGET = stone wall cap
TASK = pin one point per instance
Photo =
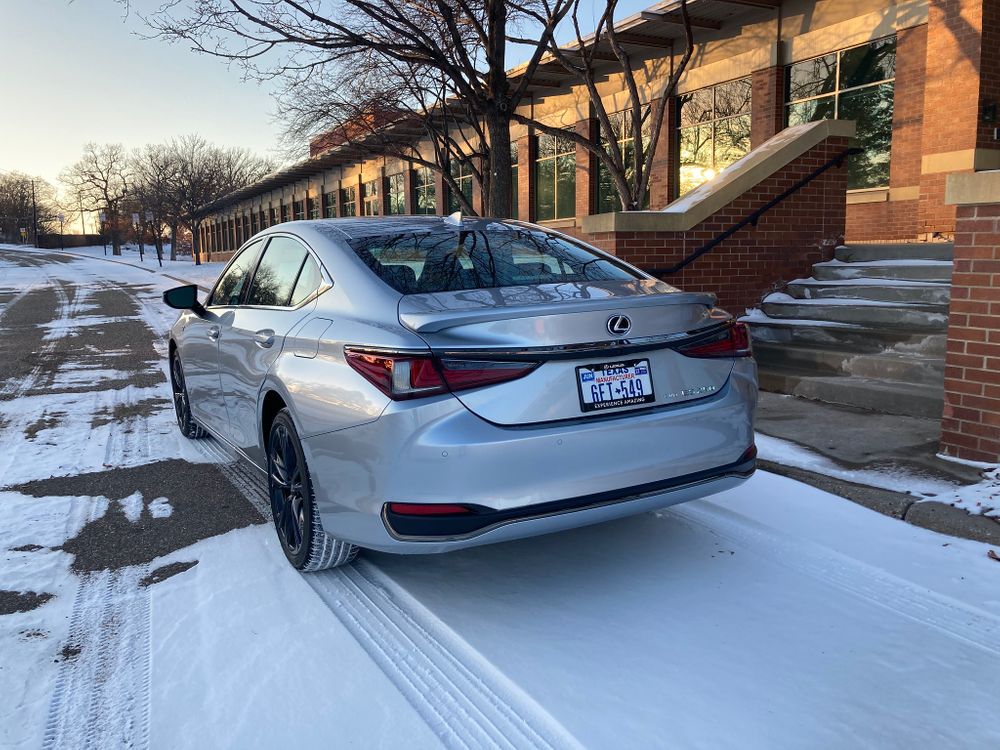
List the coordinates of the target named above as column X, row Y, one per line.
column 732, row 182
column 972, row 188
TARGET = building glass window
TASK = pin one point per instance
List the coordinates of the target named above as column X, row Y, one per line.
column 555, row 178
column 852, row 84
column 299, row 210
column 608, row 199
column 349, row 201
column 424, row 191
column 329, row 205
column 284, row 212
column 254, row 226
column 462, row 172
column 247, row 234
column 312, row 208
column 370, row 198
column 513, row 179
column 396, row 186
column 274, row 216
column 262, row 219
column 714, row 130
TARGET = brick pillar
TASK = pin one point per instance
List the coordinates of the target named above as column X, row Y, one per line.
column 526, row 178
column 662, row 180
column 953, row 98
column 477, row 190
column 440, row 187
column 408, row 195
column 767, row 104
column 586, row 170
column 989, row 70
column 383, row 192
column 970, row 426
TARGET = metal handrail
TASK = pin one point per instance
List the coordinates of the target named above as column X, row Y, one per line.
column 837, row 161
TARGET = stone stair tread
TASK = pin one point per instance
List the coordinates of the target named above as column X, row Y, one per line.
column 780, row 298
column 887, row 262
column 891, row 397
column 870, row 281
column 860, row 252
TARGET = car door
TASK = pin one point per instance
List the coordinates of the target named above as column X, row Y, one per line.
column 200, row 344
column 252, row 338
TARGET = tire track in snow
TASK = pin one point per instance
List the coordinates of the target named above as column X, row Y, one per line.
column 465, row 700
column 860, row 579
column 101, row 695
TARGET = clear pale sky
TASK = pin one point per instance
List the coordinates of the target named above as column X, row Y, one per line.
column 74, row 72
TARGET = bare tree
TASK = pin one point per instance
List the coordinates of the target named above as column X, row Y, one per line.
column 463, row 42
column 642, row 120
column 156, row 170
column 100, row 181
column 28, row 203
column 205, row 173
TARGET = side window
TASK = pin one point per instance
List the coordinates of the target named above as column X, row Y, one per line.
column 276, row 273
column 230, row 286
column 309, row 281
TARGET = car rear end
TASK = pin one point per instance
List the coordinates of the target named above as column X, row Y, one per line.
column 549, row 386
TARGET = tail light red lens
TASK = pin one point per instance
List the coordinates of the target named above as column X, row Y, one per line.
column 402, row 376
column 422, row 509
column 732, row 341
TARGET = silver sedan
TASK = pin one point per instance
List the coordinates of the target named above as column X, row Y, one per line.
column 419, row 384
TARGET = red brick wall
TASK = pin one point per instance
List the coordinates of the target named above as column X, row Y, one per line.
column 887, row 220
column 662, row 177
column 798, row 232
column 768, row 104
column 970, row 427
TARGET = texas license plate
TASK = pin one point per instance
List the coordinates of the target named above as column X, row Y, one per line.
column 615, row 384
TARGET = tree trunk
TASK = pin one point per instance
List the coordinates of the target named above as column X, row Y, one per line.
column 498, row 193
column 116, row 240
column 195, row 244
column 173, row 241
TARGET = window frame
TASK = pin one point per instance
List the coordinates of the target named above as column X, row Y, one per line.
column 352, row 201
column 326, row 284
column 838, row 91
column 428, row 188
column 554, row 158
column 463, row 177
column 262, row 242
column 373, row 198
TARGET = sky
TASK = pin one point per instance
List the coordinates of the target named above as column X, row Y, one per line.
column 75, row 72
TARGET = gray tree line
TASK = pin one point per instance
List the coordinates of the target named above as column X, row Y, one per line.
column 163, row 183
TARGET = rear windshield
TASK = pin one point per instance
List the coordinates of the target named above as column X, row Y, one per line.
column 450, row 260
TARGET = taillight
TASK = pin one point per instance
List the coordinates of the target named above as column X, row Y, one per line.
column 427, row 509
column 401, row 375
column 731, row 341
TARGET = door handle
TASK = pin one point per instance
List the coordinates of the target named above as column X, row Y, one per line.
column 213, row 332
column 264, row 338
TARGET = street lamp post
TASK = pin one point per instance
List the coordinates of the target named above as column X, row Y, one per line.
column 138, row 232
column 103, row 217
column 156, row 238
column 62, row 242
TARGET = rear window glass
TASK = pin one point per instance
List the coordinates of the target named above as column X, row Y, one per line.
column 450, row 260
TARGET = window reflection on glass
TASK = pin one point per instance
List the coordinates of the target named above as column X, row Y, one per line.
column 396, row 194
column 555, row 178
column 462, row 172
column 608, row 198
column 349, row 201
column 853, row 84
column 370, row 198
column 308, row 282
column 312, row 208
column 276, row 273
column 329, row 205
column 715, row 130
column 229, row 288
column 425, row 193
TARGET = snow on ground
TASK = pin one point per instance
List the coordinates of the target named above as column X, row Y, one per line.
column 204, row 275
column 771, row 616
column 982, row 498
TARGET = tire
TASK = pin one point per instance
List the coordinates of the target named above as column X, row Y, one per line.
column 300, row 531
column 182, row 404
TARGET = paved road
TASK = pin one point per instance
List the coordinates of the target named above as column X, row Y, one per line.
column 144, row 602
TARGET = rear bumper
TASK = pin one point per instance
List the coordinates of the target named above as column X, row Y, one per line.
column 527, row 481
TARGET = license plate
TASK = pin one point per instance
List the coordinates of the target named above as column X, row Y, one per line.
column 614, row 384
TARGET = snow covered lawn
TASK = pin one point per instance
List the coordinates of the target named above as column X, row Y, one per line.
column 771, row 616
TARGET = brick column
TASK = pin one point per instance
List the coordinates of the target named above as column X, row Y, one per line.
column 767, row 104
column 526, row 178
column 383, row 192
column 970, row 426
column 440, row 194
column 586, row 170
column 662, row 180
column 477, row 190
column 954, row 94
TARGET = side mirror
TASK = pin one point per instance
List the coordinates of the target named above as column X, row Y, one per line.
column 183, row 298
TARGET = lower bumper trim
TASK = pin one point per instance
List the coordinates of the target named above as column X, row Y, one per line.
column 480, row 519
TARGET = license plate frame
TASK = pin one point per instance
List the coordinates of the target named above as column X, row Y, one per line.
column 623, row 401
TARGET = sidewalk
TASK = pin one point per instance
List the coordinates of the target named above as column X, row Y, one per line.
column 887, row 463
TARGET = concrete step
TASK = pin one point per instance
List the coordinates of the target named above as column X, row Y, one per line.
column 878, row 290
column 898, row 316
column 890, row 365
column 864, row 393
column 851, row 338
column 912, row 270
column 895, row 251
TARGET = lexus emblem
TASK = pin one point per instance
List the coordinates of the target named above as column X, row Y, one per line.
column 619, row 325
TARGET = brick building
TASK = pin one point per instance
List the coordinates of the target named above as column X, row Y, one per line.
column 920, row 77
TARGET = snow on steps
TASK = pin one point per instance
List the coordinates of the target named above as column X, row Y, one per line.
column 868, row 330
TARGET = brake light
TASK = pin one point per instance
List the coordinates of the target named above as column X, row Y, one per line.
column 402, row 376
column 732, row 341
